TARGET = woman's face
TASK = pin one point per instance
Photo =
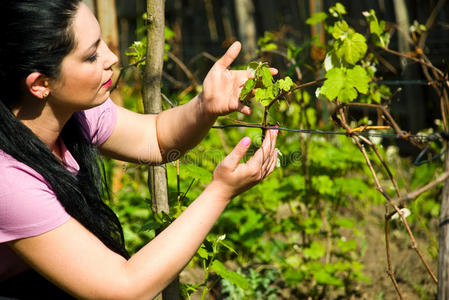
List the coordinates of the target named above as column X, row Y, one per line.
column 85, row 77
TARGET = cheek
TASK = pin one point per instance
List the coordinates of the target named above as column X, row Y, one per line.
column 91, row 78
column 85, row 78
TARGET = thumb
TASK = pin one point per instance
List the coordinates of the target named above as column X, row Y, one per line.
column 233, row 158
column 231, row 54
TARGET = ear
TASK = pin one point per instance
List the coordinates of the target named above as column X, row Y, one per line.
column 37, row 85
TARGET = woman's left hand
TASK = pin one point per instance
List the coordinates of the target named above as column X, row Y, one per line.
column 222, row 87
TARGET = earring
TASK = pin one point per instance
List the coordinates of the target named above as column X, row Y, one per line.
column 45, row 95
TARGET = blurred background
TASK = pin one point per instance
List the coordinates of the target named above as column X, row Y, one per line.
column 315, row 228
column 212, row 25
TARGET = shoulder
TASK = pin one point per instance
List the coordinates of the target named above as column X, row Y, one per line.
column 99, row 122
column 28, row 205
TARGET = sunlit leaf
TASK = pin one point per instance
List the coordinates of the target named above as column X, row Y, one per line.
column 333, row 84
column 353, row 48
column 316, row 18
column 247, row 89
column 232, row 277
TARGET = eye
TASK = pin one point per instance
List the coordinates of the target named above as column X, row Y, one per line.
column 92, row 58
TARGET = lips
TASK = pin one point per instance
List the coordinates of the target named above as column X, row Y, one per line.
column 107, row 84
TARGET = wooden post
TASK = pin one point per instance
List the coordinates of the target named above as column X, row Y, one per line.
column 443, row 237
column 247, row 28
column 443, row 233
column 157, row 175
column 412, row 103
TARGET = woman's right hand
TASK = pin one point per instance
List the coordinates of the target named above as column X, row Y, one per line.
column 233, row 178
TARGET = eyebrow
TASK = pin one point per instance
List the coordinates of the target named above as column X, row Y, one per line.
column 94, row 45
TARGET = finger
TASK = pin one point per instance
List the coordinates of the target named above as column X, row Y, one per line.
column 273, row 163
column 273, row 134
column 233, row 158
column 268, row 159
column 231, row 54
column 244, row 109
column 273, row 71
column 266, row 150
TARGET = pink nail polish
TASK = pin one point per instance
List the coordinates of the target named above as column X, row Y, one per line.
column 245, row 141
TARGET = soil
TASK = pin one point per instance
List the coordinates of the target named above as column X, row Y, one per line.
column 414, row 281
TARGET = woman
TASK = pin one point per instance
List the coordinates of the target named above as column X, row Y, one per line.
column 55, row 112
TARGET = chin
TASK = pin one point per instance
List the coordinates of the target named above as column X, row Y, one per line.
column 100, row 99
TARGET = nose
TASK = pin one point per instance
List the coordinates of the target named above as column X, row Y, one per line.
column 111, row 58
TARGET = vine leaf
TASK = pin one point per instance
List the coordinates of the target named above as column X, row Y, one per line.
column 344, row 84
column 335, row 80
column 338, row 10
column 233, row 277
column 252, row 67
column 377, row 29
column 266, row 95
column 358, row 78
column 286, row 84
column 267, row 77
column 340, row 30
column 316, row 18
column 331, row 61
column 247, row 89
column 352, row 49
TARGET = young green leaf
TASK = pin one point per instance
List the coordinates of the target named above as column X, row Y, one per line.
column 266, row 95
column 315, row 251
column 352, row 49
column 247, row 89
column 340, row 30
column 286, row 84
column 316, row 18
column 347, row 94
column 267, row 77
column 331, row 61
column 377, row 29
column 232, row 277
column 335, row 80
column 344, row 84
column 358, row 78
column 252, row 67
column 338, row 10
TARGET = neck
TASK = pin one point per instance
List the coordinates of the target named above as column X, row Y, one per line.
column 43, row 120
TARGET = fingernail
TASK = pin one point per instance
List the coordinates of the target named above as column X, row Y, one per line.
column 245, row 141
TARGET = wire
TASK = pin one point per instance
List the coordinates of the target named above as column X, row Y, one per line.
column 406, row 82
column 429, row 137
column 418, row 161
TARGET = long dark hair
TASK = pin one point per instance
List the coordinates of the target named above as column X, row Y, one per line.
column 35, row 36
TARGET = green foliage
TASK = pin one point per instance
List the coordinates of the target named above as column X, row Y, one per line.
column 261, row 286
column 267, row 42
column 316, row 18
column 137, row 52
column 349, row 71
column 232, row 277
column 377, row 29
column 338, row 10
column 302, row 224
column 268, row 89
column 345, row 84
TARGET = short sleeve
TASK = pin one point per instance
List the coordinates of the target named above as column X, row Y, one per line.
column 99, row 122
column 28, row 206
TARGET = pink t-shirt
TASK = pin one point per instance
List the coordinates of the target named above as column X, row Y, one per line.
column 28, row 206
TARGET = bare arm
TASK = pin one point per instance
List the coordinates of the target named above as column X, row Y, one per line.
column 164, row 137
column 78, row 262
